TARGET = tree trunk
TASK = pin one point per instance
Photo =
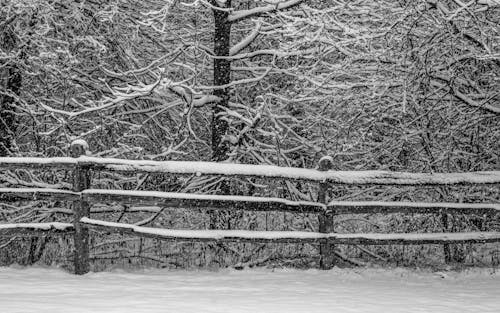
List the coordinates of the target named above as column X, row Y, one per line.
column 222, row 76
column 10, row 83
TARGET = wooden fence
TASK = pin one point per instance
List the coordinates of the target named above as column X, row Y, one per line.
column 81, row 198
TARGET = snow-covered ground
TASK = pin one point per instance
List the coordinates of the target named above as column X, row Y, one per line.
column 360, row 290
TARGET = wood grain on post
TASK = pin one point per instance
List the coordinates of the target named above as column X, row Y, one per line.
column 446, row 246
column 81, row 181
column 326, row 248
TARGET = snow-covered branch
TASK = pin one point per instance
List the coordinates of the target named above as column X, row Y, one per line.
column 245, row 42
column 236, row 16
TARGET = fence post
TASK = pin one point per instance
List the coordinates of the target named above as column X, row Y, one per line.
column 326, row 249
column 81, row 181
column 446, row 246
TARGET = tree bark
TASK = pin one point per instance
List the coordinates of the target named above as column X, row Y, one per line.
column 222, row 76
column 10, row 84
column 219, row 127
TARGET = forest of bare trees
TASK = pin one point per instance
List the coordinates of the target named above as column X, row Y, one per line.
column 410, row 86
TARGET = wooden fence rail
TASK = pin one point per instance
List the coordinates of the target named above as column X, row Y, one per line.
column 259, row 171
column 82, row 197
column 294, row 236
column 196, row 201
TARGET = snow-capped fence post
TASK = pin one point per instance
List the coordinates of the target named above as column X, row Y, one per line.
column 326, row 249
column 81, row 181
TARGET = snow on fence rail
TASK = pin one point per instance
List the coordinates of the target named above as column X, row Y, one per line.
column 292, row 236
column 359, row 207
column 267, row 171
column 82, row 196
column 225, row 202
column 35, row 228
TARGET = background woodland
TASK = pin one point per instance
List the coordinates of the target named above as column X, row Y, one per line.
column 392, row 85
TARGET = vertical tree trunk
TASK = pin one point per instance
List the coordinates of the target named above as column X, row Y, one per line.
column 219, row 127
column 222, row 76
column 10, row 84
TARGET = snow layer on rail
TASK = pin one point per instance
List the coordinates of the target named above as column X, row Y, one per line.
column 276, row 235
column 229, row 169
column 201, row 197
column 5, row 161
column 38, row 226
column 208, row 234
column 37, row 190
column 160, row 194
column 437, row 205
column 246, row 199
column 421, row 236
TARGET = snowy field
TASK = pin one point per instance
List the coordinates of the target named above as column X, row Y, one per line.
column 360, row 290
